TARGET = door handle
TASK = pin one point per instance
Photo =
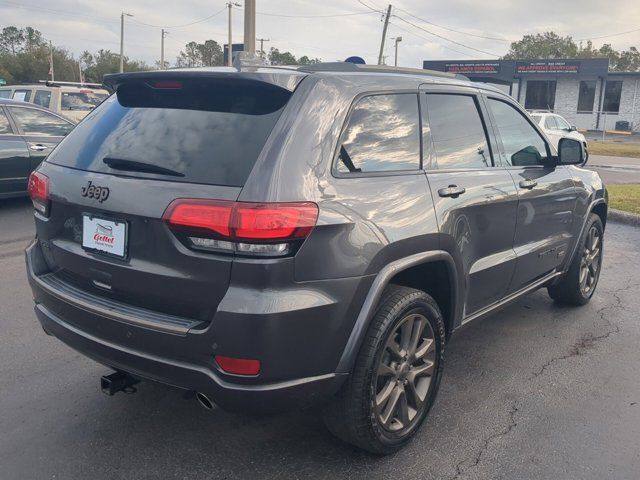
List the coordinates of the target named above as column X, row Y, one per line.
column 452, row 191
column 38, row 147
column 528, row 184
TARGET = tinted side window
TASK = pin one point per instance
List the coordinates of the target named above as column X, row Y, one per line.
column 382, row 135
column 42, row 98
column 550, row 123
column 521, row 143
column 4, row 123
column 562, row 123
column 36, row 122
column 457, row 132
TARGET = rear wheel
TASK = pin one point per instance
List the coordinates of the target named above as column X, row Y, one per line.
column 580, row 281
column 396, row 376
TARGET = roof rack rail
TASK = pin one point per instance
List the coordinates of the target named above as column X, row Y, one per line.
column 353, row 67
column 50, row 83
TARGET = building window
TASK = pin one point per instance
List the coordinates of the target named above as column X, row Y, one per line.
column 586, row 96
column 541, row 95
column 612, row 92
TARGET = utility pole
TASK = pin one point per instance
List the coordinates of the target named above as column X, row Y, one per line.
column 51, row 60
column 250, row 26
column 384, row 34
column 80, row 72
column 122, row 15
column 398, row 40
column 164, row 33
column 230, row 47
column 262, row 40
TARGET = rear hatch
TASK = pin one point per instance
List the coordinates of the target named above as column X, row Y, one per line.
column 157, row 139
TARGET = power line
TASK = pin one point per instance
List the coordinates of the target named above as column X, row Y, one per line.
column 451, row 29
column 429, row 40
column 185, row 24
column 350, row 14
column 443, row 37
column 607, row 36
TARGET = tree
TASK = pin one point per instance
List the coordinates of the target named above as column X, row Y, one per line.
column 11, row 40
column 304, row 60
column 543, row 45
column 284, row 58
column 210, row 53
column 550, row 45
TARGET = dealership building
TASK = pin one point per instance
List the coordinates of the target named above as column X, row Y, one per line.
column 583, row 91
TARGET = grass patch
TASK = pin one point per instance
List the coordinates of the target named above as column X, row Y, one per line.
column 625, row 197
column 614, row 149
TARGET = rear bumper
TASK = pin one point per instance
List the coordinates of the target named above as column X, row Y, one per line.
column 186, row 360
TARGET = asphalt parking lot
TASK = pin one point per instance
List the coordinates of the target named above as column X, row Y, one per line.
column 536, row 391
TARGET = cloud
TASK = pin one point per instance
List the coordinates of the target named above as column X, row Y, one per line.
column 95, row 24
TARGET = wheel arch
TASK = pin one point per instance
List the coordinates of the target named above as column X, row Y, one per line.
column 412, row 272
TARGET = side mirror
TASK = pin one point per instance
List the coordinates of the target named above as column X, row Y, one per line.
column 571, row 152
column 572, row 128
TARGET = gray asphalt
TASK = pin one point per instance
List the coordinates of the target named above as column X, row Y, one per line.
column 537, row 391
column 616, row 170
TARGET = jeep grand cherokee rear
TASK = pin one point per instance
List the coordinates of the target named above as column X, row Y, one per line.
column 273, row 238
column 145, row 260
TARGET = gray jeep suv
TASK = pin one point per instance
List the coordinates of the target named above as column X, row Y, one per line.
column 274, row 238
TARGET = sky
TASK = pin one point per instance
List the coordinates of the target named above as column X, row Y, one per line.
column 329, row 29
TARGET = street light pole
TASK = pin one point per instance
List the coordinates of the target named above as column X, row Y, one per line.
column 398, row 40
column 122, row 15
column 164, row 33
column 230, row 48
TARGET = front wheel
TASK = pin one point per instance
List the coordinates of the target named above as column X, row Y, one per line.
column 577, row 285
column 396, row 376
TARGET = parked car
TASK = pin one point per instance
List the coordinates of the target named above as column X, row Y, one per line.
column 277, row 238
column 556, row 127
column 69, row 99
column 27, row 134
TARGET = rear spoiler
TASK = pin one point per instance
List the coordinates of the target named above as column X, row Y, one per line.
column 286, row 79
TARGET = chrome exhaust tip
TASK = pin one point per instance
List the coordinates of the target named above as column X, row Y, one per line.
column 205, row 401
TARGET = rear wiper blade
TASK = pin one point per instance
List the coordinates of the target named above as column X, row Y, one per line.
column 135, row 166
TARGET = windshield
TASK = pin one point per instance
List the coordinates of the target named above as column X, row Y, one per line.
column 81, row 100
column 207, row 132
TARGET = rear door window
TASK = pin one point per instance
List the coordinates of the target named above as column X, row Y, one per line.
column 81, row 100
column 457, row 132
column 5, row 93
column 200, row 130
column 383, row 135
column 42, row 98
column 22, row 95
column 37, row 122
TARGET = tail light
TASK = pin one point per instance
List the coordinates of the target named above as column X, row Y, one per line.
column 263, row 229
column 38, row 189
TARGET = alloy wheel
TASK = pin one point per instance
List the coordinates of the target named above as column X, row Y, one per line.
column 590, row 261
column 405, row 373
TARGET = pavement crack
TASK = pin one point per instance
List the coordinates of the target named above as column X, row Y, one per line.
column 462, row 469
column 588, row 340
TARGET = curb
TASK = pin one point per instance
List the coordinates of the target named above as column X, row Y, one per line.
column 619, row 216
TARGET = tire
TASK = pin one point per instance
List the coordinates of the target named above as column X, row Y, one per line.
column 385, row 369
column 573, row 288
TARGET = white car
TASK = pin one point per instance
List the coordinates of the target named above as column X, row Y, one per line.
column 556, row 127
column 71, row 100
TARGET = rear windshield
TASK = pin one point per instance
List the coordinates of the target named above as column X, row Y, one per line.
column 197, row 131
